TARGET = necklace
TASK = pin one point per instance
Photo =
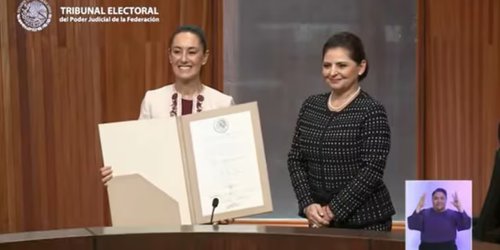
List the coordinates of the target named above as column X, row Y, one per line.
column 176, row 96
column 346, row 102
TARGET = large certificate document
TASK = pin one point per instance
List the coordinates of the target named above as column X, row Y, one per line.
column 192, row 159
column 226, row 161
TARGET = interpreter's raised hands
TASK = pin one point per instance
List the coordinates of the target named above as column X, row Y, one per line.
column 420, row 204
column 456, row 202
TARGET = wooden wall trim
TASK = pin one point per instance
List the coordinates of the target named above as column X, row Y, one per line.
column 458, row 91
column 218, row 9
column 420, row 75
column 287, row 222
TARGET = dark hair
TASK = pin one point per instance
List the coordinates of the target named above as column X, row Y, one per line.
column 440, row 190
column 498, row 132
column 191, row 29
column 350, row 42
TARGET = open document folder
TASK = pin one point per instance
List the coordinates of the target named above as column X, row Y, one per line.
column 168, row 171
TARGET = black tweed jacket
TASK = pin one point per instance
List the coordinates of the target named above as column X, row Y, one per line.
column 338, row 158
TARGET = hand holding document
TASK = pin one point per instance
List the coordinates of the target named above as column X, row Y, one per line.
column 194, row 159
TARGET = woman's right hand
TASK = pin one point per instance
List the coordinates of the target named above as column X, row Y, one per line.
column 106, row 174
column 316, row 215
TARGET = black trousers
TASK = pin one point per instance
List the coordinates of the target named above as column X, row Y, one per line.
column 449, row 245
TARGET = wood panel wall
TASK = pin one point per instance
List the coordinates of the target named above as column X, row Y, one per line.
column 58, row 84
column 459, row 91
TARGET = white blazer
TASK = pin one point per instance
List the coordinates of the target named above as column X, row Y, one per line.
column 157, row 103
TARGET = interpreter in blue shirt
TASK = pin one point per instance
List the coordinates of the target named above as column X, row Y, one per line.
column 438, row 225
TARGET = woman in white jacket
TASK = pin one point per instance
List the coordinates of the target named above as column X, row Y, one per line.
column 187, row 54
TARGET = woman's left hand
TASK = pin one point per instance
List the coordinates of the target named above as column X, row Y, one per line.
column 329, row 216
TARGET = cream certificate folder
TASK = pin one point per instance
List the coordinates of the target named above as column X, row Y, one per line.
column 188, row 161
